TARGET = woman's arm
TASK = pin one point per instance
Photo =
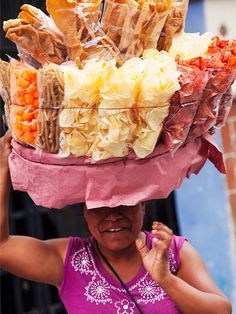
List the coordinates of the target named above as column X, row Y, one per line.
column 192, row 290
column 26, row 257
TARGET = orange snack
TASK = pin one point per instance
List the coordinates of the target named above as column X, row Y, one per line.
column 24, row 111
column 24, row 123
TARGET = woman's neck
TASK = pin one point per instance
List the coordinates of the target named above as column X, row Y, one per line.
column 126, row 263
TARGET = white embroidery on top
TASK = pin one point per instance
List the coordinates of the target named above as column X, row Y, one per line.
column 81, row 262
column 124, row 307
column 150, row 291
column 99, row 289
column 172, row 262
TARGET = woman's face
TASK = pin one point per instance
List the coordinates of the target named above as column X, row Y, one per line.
column 115, row 228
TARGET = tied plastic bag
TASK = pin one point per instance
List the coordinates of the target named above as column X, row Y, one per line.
column 216, row 60
column 211, row 102
column 5, row 88
column 24, row 99
column 79, row 130
column 220, row 63
column 36, row 35
column 225, row 106
column 174, row 24
column 110, row 112
column 103, row 133
column 83, row 87
column 149, row 123
column 79, row 23
column 183, row 106
column 134, row 26
column 51, row 97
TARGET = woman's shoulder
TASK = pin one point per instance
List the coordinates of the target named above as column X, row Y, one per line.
column 177, row 242
column 77, row 243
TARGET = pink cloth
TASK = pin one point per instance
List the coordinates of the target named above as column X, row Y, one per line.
column 87, row 287
column 54, row 182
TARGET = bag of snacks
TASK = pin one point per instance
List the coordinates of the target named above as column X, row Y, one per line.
column 24, row 102
column 134, row 26
column 36, row 34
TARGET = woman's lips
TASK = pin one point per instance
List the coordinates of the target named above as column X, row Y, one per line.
column 115, row 229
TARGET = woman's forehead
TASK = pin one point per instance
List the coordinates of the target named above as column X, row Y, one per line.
column 120, row 207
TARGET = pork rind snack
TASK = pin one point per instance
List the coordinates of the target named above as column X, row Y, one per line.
column 24, row 100
column 183, row 106
column 78, row 131
column 99, row 88
column 220, row 63
column 36, row 35
column 225, row 106
column 134, row 26
column 113, row 111
column 214, row 60
column 82, row 87
column 78, row 21
column 174, row 25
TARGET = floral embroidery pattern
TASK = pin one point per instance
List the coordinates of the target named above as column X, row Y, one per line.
column 172, row 262
column 98, row 291
column 150, row 292
column 81, row 262
column 125, row 307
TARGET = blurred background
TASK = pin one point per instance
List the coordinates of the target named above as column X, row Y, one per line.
column 203, row 209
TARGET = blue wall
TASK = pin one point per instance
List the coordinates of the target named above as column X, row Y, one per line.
column 202, row 204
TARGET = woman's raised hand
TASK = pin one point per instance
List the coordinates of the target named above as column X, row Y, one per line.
column 156, row 260
column 5, row 149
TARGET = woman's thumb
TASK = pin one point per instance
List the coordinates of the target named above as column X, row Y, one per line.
column 141, row 246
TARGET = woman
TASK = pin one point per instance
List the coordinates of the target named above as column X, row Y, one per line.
column 119, row 269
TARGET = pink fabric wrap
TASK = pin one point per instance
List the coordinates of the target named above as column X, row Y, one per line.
column 54, row 182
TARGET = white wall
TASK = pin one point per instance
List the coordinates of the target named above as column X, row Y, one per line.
column 218, row 13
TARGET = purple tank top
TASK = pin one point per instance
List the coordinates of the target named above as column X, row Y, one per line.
column 87, row 287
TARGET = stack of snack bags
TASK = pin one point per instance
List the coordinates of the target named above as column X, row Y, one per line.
column 120, row 79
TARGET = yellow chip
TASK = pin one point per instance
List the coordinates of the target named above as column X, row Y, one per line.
column 67, row 118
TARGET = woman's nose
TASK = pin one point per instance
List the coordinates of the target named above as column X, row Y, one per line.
column 113, row 215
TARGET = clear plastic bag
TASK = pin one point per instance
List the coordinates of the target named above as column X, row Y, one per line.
column 78, row 21
column 225, row 106
column 23, row 84
column 134, row 26
column 220, row 62
column 149, row 123
column 23, row 120
column 36, row 35
column 51, row 91
column 107, row 133
column 5, row 89
column 183, row 107
column 79, row 131
column 217, row 60
column 209, row 107
column 24, row 99
column 174, row 24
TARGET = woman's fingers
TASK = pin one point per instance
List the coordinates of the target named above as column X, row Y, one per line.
column 159, row 228
column 5, row 150
column 162, row 235
column 7, row 138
